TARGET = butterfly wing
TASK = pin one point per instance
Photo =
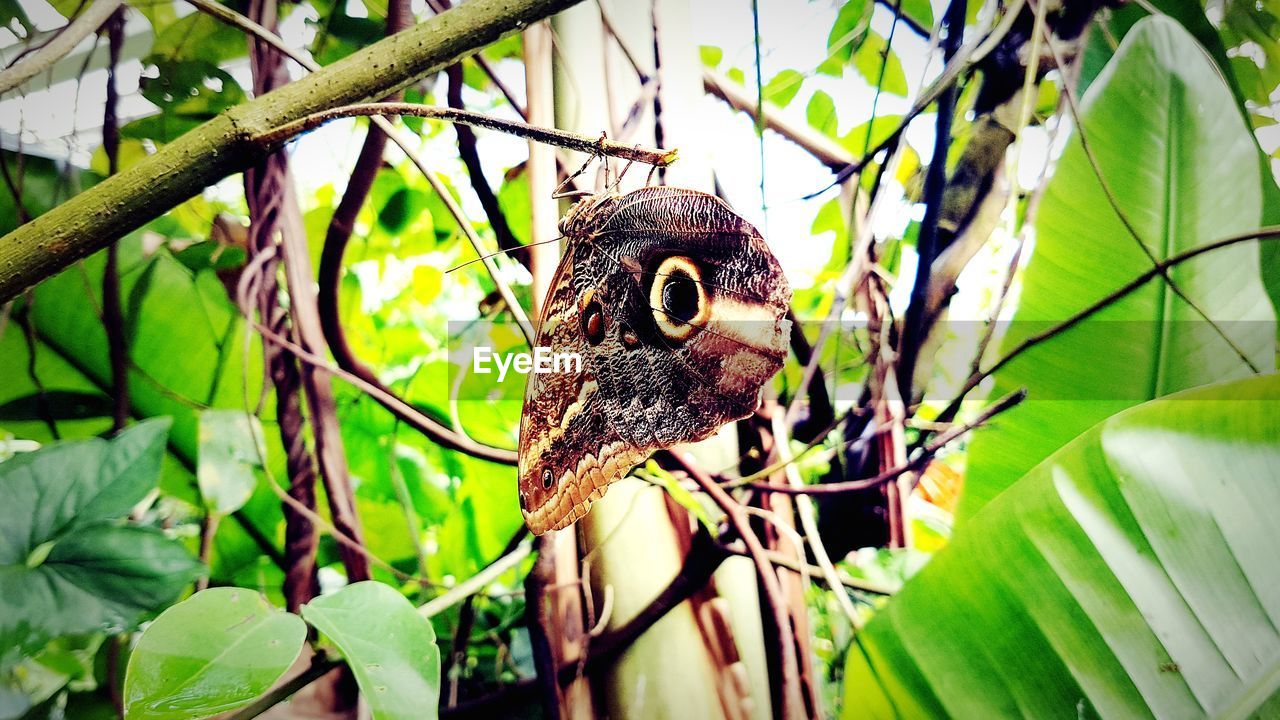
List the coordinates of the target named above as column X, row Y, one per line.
column 677, row 308
column 568, row 452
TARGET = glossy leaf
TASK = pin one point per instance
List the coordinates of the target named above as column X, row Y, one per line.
column 388, row 645
column 211, row 653
column 1131, row 574
column 1172, row 147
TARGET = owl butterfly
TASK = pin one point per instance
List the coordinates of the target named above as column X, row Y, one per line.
column 677, row 309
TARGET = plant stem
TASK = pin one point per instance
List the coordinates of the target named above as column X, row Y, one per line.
column 550, row 136
column 320, row 666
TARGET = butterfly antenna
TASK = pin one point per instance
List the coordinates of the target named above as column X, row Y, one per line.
column 502, row 252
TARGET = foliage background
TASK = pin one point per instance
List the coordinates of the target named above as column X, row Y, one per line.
column 1187, row 162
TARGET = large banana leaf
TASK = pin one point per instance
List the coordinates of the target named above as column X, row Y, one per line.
column 1132, row 574
column 1172, row 147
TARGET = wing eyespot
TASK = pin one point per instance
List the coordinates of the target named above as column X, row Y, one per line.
column 547, row 479
column 593, row 322
column 678, row 298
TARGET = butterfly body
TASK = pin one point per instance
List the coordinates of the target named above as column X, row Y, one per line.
column 677, row 309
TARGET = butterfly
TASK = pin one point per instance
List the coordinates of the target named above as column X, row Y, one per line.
column 677, row 309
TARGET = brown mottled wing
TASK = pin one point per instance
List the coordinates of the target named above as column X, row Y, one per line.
column 562, row 431
column 650, row 379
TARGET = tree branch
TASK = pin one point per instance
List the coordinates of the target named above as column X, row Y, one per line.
column 935, row 184
column 469, row 153
column 824, row 149
column 57, row 48
column 225, row 144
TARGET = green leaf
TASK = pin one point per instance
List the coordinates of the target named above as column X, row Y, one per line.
column 710, row 55
column 160, row 14
column 388, row 645
column 84, row 481
column 875, row 57
column 1131, row 574
column 198, row 37
column 43, row 186
column 851, row 22
column 211, row 653
column 12, row 17
column 1173, row 148
column 782, row 88
column 922, row 11
column 821, row 113
column 855, row 141
column 189, row 92
column 339, row 34
column 231, row 443
column 65, row 566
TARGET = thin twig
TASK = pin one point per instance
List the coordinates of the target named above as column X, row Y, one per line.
column 1271, row 232
column 895, row 6
column 813, row 571
column 809, row 519
column 824, row 149
column 469, row 153
column 551, row 136
column 477, row 582
column 921, row 457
